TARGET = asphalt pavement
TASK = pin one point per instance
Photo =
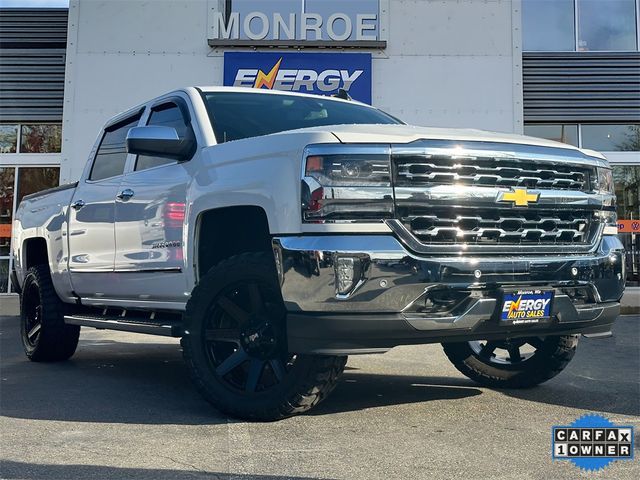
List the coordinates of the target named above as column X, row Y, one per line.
column 123, row 408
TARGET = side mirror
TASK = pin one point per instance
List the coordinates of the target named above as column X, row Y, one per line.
column 160, row 141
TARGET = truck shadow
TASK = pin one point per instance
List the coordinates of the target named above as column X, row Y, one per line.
column 147, row 383
column 602, row 377
column 360, row 390
column 11, row 470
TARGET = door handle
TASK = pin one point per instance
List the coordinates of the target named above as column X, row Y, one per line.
column 78, row 204
column 126, row 194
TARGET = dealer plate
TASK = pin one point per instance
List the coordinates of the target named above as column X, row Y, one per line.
column 526, row 307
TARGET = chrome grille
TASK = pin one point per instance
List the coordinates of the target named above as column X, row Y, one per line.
column 513, row 226
column 489, row 171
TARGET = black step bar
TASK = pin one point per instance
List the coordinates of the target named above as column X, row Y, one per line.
column 111, row 322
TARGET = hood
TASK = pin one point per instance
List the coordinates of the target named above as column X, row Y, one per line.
column 408, row 134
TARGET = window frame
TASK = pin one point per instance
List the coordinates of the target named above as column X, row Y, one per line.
column 576, row 33
column 16, row 167
column 621, row 156
column 183, row 106
column 111, row 126
column 576, row 12
column 26, row 156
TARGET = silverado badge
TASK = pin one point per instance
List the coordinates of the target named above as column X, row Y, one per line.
column 520, row 197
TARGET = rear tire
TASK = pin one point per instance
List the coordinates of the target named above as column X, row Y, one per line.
column 480, row 362
column 235, row 345
column 45, row 336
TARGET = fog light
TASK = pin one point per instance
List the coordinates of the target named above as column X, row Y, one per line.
column 345, row 271
column 349, row 274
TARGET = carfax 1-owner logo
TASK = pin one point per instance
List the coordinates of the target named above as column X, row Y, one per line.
column 592, row 442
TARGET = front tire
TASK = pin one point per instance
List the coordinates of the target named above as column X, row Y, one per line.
column 45, row 336
column 512, row 363
column 235, row 345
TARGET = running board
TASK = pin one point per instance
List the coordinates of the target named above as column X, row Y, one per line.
column 133, row 325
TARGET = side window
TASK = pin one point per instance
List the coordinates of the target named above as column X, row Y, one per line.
column 112, row 153
column 167, row 115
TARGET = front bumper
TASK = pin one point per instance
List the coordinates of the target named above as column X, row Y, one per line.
column 398, row 297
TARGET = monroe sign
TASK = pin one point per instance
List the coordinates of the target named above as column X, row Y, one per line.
column 294, row 22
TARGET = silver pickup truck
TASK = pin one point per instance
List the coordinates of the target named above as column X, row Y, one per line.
column 277, row 233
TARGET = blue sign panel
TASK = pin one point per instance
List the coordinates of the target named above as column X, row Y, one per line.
column 319, row 73
column 526, row 306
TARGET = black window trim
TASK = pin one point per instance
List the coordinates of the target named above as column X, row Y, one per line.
column 186, row 115
column 110, row 127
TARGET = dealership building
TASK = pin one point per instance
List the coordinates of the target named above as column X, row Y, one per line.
column 567, row 70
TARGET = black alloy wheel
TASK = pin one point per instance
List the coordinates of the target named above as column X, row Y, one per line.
column 509, row 352
column 45, row 336
column 32, row 315
column 235, row 344
column 245, row 339
column 514, row 362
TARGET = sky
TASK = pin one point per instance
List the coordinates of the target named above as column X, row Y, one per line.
column 34, row 3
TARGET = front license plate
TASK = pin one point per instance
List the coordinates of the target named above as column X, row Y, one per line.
column 525, row 307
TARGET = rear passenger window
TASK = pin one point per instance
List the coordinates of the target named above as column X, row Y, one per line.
column 112, row 153
column 167, row 115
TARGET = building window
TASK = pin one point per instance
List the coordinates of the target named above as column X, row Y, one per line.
column 611, row 138
column 31, row 138
column 559, row 133
column 43, row 138
column 627, row 181
column 606, row 25
column 548, row 25
column 8, row 138
column 580, row 25
column 26, row 180
column 7, row 186
column 604, row 138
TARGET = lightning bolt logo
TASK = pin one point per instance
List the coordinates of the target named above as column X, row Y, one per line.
column 514, row 306
column 267, row 79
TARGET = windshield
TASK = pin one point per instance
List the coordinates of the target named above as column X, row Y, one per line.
column 237, row 115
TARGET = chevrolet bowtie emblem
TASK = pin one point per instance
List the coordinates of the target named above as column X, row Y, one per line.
column 520, row 197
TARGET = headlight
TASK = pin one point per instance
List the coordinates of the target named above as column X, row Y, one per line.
column 349, row 170
column 604, row 183
column 347, row 187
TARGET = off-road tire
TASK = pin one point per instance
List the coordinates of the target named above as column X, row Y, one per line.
column 552, row 356
column 310, row 380
column 54, row 341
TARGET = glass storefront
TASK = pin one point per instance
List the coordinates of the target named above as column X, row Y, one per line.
column 31, row 138
column 610, row 138
column 580, row 25
column 603, row 138
column 627, row 181
column 15, row 183
column 33, row 143
column 558, row 133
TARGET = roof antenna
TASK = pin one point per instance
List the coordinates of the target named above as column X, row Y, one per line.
column 343, row 94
